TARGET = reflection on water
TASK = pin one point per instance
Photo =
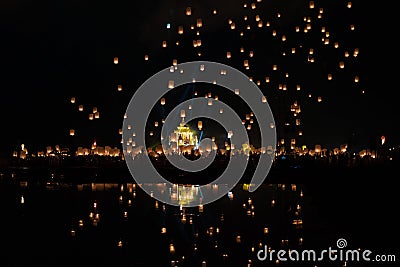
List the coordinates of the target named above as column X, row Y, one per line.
column 117, row 224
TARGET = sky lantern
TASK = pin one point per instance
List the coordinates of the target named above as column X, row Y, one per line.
column 180, row 30
column 264, row 99
column 311, row 5
column 349, row 4
column 329, row 76
column 80, row 107
column 199, row 23
column 94, row 109
column 115, row 60
column 383, row 139
column 72, row 100
column 119, row 87
column 228, row 55
column 97, row 115
column 341, row 64
column 71, row 132
column 356, row 79
column 164, row 44
column 171, row 84
column 146, row 57
column 188, row 11
column 91, row 116
column 200, row 125
column 162, row 101
column 183, row 115
column 319, row 99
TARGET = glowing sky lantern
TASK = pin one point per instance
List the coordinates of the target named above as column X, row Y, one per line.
column 199, row 23
column 97, row 115
column 180, row 30
column 91, row 116
column 183, row 114
column 319, row 99
column 356, row 79
column 311, row 5
column 383, row 139
column 228, row 55
column 341, row 64
column 119, row 87
column 200, row 125
column 80, row 107
column 72, row 100
column 164, row 44
column 94, row 109
column 264, row 99
column 188, row 11
column 146, row 57
column 329, row 77
column 162, row 101
column 71, row 132
column 115, row 60
column 349, row 4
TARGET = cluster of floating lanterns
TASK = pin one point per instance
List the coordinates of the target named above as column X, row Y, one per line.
column 304, row 42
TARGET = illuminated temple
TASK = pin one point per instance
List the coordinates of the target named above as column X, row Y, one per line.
column 183, row 138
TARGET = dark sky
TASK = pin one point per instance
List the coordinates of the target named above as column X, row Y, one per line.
column 53, row 50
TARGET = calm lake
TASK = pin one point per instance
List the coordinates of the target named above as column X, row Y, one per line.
column 48, row 223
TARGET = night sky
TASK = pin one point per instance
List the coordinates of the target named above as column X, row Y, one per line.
column 55, row 50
